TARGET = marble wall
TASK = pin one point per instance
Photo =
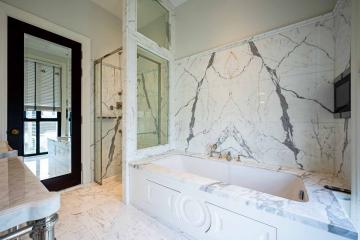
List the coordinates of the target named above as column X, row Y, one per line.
column 342, row 36
column 268, row 98
column 112, row 114
column 109, row 118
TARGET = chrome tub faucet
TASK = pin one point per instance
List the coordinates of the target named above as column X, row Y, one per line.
column 213, row 148
column 228, row 156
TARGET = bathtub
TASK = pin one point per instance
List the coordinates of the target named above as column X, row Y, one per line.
column 219, row 200
column 272, row 182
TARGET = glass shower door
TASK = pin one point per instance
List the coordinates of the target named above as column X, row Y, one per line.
column 108, row 115
column 98, row 123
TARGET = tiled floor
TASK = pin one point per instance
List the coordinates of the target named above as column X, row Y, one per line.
column 96, row 212
column 44, row 166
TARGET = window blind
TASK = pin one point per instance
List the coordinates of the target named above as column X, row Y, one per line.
column 42, row 86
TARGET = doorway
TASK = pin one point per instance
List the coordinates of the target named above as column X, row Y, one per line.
column 44, row 103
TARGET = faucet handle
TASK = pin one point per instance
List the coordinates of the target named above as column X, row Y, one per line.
column 228, row 156
column 214, row 147
column 239, row 158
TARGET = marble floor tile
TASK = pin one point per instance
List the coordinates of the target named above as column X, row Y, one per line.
column 47, row 166
column 94, row 212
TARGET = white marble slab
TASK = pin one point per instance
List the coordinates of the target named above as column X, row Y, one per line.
column 22, row 196
column 94, row 212
column 270, row 97
column 323, row 210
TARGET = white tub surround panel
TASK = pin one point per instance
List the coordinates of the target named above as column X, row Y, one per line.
column 23, row 198
column 202, row 203
column 268, row 99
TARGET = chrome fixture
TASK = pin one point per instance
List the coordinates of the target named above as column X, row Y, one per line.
column 213, row 148
column 228, row 156
column 42, row 229
column 238, row 158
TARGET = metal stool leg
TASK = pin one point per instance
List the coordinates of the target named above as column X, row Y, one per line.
column 44, row 229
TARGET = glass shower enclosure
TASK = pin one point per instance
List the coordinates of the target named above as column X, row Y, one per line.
column 107, row 116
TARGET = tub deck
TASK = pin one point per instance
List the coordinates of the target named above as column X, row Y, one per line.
column 321, row 210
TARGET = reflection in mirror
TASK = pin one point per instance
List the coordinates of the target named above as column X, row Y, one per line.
column 152, row 99
column 153, row 22
column 47, row 106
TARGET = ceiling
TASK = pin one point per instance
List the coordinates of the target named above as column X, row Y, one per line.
column 115, row 6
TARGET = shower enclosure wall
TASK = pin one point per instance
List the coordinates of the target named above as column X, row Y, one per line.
column 108, row 114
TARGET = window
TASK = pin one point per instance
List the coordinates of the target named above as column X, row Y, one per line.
column 39, row 126
column 42, row 86
column 153, row 22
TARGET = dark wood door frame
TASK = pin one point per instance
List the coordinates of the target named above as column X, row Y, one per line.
column 16, row 31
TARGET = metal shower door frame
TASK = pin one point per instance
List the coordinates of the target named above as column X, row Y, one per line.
column 98, row 143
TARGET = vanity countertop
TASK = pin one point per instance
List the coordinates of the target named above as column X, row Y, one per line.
column 22, row 196
column 323, row 210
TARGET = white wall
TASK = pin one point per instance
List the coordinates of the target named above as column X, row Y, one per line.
column 200, row 24
column 81, row 16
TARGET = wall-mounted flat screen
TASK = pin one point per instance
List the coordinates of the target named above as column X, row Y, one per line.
column 343, row 94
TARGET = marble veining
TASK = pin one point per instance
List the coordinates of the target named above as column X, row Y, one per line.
column 342, row 35
column 22, row 196
column 110, row 117
column 322, row 211
column 269, row 99
column 94, row 212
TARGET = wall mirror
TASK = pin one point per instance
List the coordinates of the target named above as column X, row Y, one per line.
column 152, row 99
column 44, row 103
